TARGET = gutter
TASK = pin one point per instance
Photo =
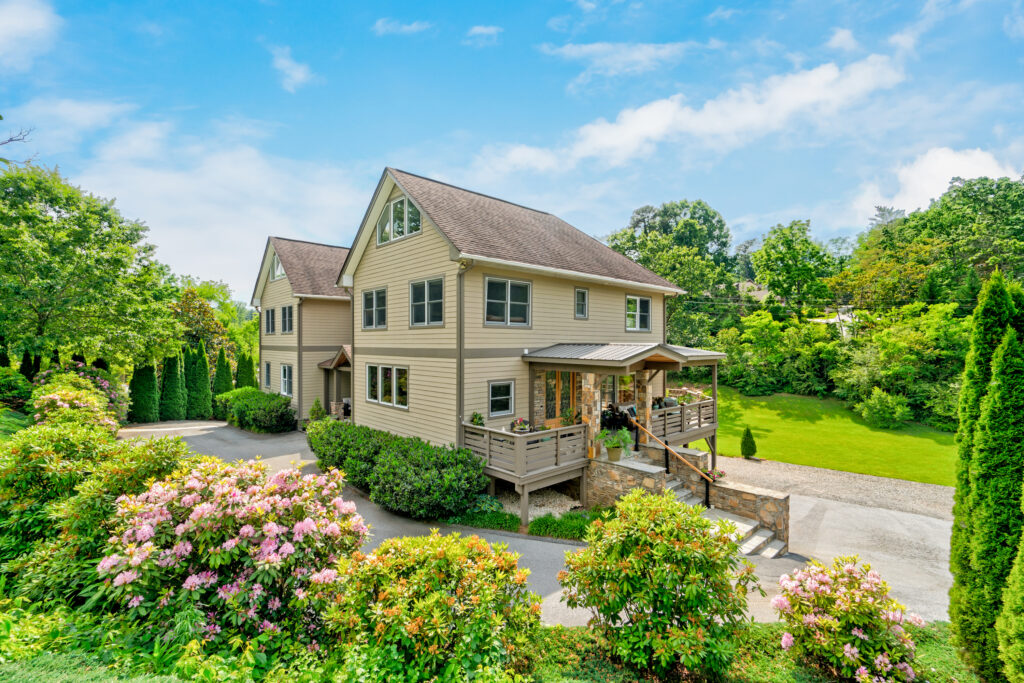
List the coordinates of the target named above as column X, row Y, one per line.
column 460, row 349
column 561, row 272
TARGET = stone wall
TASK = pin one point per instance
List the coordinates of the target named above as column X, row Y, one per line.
column 608, row 481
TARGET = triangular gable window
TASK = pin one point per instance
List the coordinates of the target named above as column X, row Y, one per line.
column 400, row 218
column 276, row 269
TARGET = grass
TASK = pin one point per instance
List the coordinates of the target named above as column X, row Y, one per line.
column 65, row 668
column 824, row 433
column 11, row 421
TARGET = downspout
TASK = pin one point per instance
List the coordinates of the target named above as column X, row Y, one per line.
column 460, row 341
column 298, row 362
column 352, row 361
column 259, row 349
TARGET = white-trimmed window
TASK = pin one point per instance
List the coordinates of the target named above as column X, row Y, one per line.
column 387, row 385
column 276, row 269
column 286, row 380
column 400, row 218
column 582, row 303
column 507, row 302
column 268, row 319
column 287, row 313
column 375, row 309
column 501, row 398
column 266, row 374
column 638, row 313
column 426, row 302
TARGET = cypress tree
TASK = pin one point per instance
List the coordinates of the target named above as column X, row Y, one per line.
column 1010, row 624
column 200, row 399
column 997, row 470
column 144, row 395
column 991, row 317
column 172, row 389
column 748, row 448
column 246, row 372
column 222, row 376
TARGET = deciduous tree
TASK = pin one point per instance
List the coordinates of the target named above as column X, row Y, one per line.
column 791, row 264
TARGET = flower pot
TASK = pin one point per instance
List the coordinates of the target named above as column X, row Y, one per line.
column 614, row 453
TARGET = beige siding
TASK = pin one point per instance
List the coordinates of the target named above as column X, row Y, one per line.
column 431, row 412
column 278, row 293
column 481, row 371
column 326, row 323
column 276, row 359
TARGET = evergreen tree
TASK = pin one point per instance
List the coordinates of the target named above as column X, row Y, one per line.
column 991, row 317
column 997, row 470
column 1010, row 624
column 144, row 395
column 748, row 448
column 970, row 290
column 931, row 289
column 246, row 374
column 316, row 411
column 200, row 398
column 172, row 389
column 222, row 376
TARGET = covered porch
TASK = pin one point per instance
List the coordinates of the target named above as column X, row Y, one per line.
column 337, row 377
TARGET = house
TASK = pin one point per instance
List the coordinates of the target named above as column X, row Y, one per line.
column 305, row 323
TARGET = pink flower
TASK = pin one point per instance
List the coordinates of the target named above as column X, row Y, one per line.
column 286, row 550
column 907, row 670
column 780, row 603
column 182, row 549
column 324, row 576
column 229, row 544
column 274, row 604
column 859, row 633
column 271, row 529
column 109, row 563
column 344, row 507
column 787, row 640
column 135, row 602
column 247, row 531
column 306, row 526
column 125, row 577
column 850, row 652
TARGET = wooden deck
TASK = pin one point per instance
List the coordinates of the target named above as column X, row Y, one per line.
column 686, row 421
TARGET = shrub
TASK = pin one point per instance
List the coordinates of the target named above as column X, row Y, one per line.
column 239, row 544
column 78, row 375
column 748, row 447
column 492, row 519
column 62, row 568
column 884, row 410
column 352, row 448
column 173, row 396
column 245, row 373
column 197, row 384
column 431, row 608
column 842, row 621
column 77, row 406
column 222, row 381
column 144, row 395
column 666, row 585
column 256, row 411
column 424, row 481
column 316, row 411
column 39, row 465
column 572, row 525
column 15, row 390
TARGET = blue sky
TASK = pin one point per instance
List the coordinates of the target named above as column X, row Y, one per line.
column 220, row 123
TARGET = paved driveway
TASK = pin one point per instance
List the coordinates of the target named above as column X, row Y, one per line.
column 910, row 549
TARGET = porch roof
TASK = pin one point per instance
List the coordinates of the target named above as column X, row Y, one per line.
column 342, row 357
column 623, row 356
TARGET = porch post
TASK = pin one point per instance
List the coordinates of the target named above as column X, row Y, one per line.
column 590, row 409
column 643, row 401
column 537, row 388
column 713, row 441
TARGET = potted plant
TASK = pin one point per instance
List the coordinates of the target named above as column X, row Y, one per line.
column 476, row 419
column 614, row 442
column 520, row 425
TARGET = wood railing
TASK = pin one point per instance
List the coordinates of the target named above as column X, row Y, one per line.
column 682, row 392
column 669, row 451
column 522, row 455
column 668, row 422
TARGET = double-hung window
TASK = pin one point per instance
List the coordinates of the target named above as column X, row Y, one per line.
column 286, row 319
column 266, row 374
column 268, row 317
column 286, row 380
column 400, row 218
column 375, row 309
column 638, row 314
column 501, row 398
column 426, row 302
column 387, row 385
column 507, row 302
column 582, row 301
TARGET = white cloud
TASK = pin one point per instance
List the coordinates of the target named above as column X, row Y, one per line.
column 28, row 29
column 932, row 12
column 60, row 124
column 722, row 14
column 619, row 59
column 842, row 39
column 927, row 177
column 293, row 74
column 482, row 36
column 385, row 26
column 586, row 5
column 729, row 120
column 1013, row 22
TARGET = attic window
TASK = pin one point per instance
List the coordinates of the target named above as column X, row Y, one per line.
column 400, row 218
column 276, row 269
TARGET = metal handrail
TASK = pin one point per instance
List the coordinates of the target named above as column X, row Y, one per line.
column 669, row 449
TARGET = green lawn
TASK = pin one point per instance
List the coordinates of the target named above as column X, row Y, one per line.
column 11, row 421
column 824, row 433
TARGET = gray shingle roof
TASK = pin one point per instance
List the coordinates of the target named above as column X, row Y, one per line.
column 618, row 353
column 480, row 225
column 311, row 268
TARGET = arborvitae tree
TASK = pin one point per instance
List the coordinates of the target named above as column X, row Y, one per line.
column 991, row 317
column 968, row 292
column 748, row 448
column 1010, row 624
column 931, row 289
column 172, row 389
column 144, row 395
column 316, row 411
column 246, row 376
column 222, row 376
column 200, row 399
column 1017, row 296
column 997, row 469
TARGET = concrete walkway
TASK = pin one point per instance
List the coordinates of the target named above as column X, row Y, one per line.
column 910, row 549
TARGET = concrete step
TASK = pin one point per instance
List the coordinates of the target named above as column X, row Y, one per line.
column 773, row 549
column 684, row 496
column 744, row 527
column 672, row 484
column 756, row 541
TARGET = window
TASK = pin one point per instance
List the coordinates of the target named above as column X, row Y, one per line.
column 286, row 319
column 286, row 380
column 426, row 302
column 638, row 314
column 400, row 218
column 266, row 374
column 276, row 269
column 375, row 309
column 618, row 389
column 507, row 302
column 501, row 398
column 387, row 385
column 268, row 317
column 582, row 303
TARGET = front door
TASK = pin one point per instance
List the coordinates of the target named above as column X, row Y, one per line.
column 560, row 396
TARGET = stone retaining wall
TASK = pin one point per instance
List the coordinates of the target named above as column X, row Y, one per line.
column 609, row 481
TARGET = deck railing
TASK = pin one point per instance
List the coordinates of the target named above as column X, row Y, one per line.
column 686, row 417
column 522, row 455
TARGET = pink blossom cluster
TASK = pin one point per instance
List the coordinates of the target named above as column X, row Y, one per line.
column 842, row 616
column 116, row 396
column 243, row 543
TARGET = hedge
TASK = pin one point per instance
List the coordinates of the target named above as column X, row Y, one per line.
column 354, row 449
column 245, row 374
column 145, row 395
column 255, row 411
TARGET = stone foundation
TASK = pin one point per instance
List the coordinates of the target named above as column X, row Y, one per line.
column 606, row 481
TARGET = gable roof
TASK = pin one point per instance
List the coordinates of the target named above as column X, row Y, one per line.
column 311, row 268
column 620, row 353
column 483, row 227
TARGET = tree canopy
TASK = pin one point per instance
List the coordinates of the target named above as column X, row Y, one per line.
column 792, row 265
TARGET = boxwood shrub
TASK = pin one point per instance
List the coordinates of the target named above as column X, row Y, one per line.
column 256, row 411
column 354, row 449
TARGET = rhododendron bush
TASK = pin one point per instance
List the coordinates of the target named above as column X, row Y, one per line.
column 77, row 375
column 241, row 545
column 841, row 619
column 78, row 406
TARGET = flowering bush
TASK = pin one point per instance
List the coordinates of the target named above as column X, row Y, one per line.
column 841, row 620
column 667, row 586
column 78, row 406
column 75, row 374
column 431, row 608
column 243, row 546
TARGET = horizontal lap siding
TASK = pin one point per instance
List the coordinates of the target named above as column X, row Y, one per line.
column 431, row 413
column 277, row 293
column 326, row 323
column 481, row 371
column 276, row 359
